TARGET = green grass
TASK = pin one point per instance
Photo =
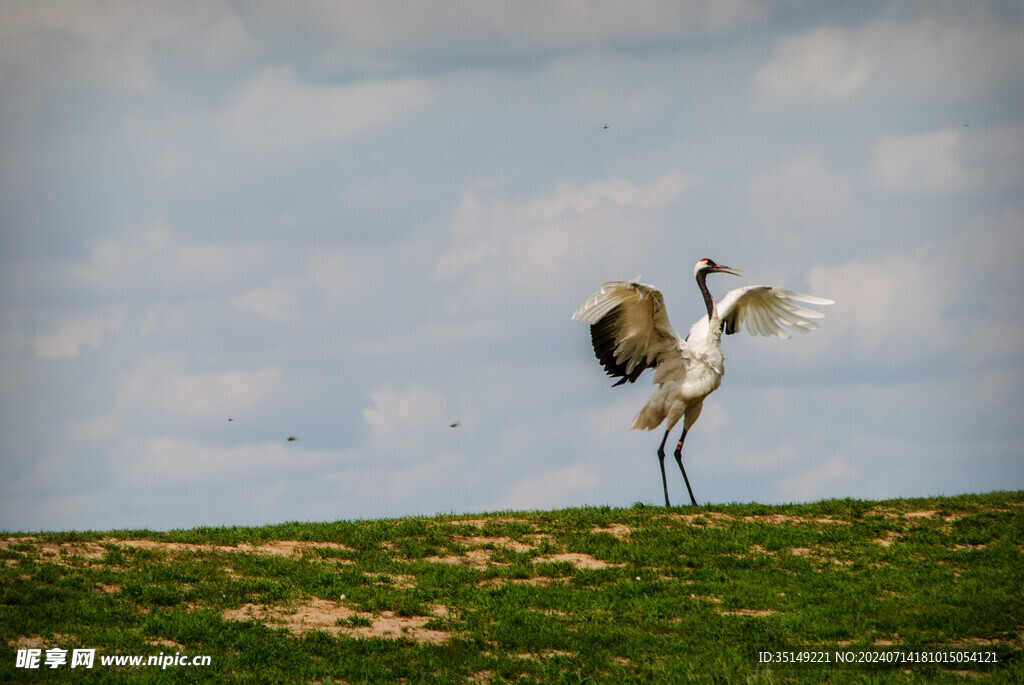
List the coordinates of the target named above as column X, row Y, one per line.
column 590, row 595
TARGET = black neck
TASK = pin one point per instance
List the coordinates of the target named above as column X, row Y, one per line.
column 708, row 300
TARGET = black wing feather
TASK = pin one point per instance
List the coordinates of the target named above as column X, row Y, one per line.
column 602, row 334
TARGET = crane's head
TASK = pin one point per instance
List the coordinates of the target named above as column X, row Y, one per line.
column 708, row 266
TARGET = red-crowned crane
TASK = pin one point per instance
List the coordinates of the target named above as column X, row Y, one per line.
column 631, row 332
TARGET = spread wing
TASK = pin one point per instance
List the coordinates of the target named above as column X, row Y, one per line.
column 768, row 311
column 631, row 331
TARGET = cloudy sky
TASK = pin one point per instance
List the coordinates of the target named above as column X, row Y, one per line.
column 356, row 223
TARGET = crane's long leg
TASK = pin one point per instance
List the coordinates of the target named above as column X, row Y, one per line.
column 679, row 460
column 661, row 460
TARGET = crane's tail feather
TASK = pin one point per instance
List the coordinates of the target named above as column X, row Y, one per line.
column 647, row 419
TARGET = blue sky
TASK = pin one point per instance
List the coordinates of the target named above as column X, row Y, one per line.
column 358, row 223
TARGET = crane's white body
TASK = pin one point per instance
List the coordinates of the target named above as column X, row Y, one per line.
column 685, row 370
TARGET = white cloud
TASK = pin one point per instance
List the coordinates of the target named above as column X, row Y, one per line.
column 986, row 259
column 433, row 335
column 965, row 50
column 365, row 28
column 172, row 461
column 612, row 419
column 890, row 305
column 153, row 256
column 713, row 417
column 569, row 198
column 340, row 272
column 820, row 65
column 818, row 481
column 557, row 488
column 277, row 302
column 421, row 478
column 533, row 247
column 212, row 394
column 51, row 40
column 951, row 160
column 398, row 418
column 159, row 386
column 341, row 277
column 991, row 157
column 928, row 162
column 165, row 318
column 72, row 332
column 276, row 112
column 96, row 428
column 767, row 460
column 926, row 301
column 942, row 54
column 998, row 150
column 799, row 192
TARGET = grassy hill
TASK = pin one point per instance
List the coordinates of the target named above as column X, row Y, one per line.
column 578, row 595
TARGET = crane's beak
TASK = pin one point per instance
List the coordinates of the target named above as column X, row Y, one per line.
column 719, row 269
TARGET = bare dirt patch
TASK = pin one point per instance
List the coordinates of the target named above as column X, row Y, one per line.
column 61, row 553
column 826, row 521
column 618, row 530
column 388, row 625
column 283, row 548
column 317, row 614
column 40, row 642
column 748, row 612
column 474, row 558
column 581, row 561
column 24, row 540
column 551, row 612
column 395, row 580
column 499, row 541
column 754, row 550
column 785, row 519
column 58, row 552
column 891, row 536
column 548, row 653
column 480, row 549
column 818, row 556
column 712, row 519
column 541, row 581
column 328, row 616
column 168, row 643
column 480, row 523
column 481, row 559
column 773, row 519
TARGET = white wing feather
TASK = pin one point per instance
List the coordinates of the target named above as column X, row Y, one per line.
column 631, row 331
column 767, row 311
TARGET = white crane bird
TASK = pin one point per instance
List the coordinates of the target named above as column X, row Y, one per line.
column 631, row 332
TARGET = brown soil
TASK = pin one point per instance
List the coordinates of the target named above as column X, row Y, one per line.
column 331, row 617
